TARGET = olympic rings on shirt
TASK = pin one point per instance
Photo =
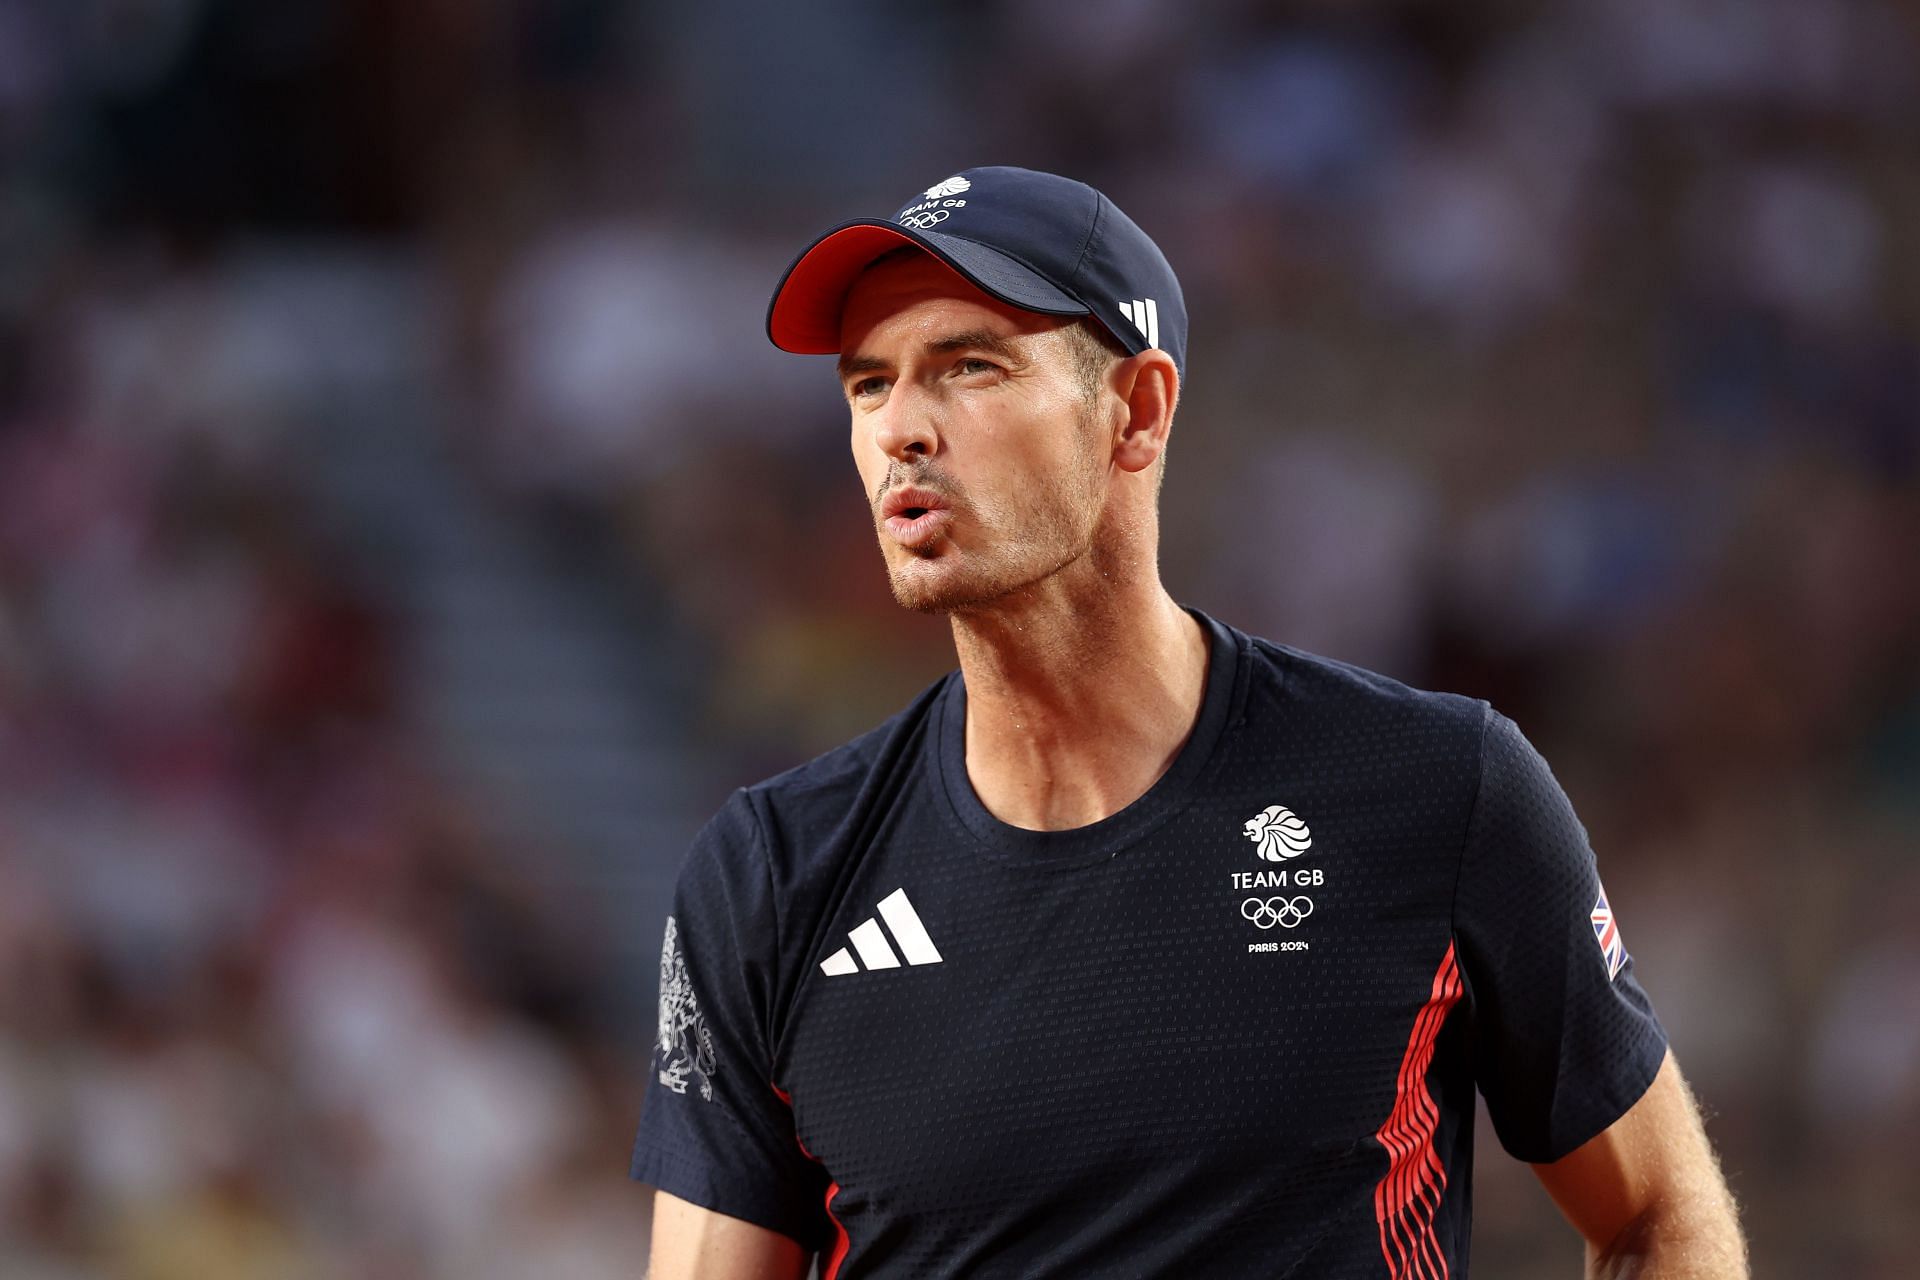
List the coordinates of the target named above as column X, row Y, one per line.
column 1285, row 912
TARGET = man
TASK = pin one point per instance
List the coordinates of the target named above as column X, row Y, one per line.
column 1138, row 946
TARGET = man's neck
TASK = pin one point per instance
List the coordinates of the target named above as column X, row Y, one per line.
column 1077, row 703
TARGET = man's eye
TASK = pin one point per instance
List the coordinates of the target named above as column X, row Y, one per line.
column 867, row 387
column 973, row 364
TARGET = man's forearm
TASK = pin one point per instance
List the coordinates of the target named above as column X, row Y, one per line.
column 1697, row 1239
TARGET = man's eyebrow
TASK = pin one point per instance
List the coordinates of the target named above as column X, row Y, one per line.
column 978, row 339
column 852, row 364
column 983, row 339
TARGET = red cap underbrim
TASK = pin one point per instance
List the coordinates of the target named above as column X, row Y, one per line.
column 804, row 316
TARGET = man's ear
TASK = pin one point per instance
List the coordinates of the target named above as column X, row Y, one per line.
column 1149, row 384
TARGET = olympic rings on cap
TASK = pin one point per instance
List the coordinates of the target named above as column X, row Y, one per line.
column 925, row 219
column 1285, row 912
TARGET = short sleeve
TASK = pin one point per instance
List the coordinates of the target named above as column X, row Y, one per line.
column 713, row 1129
column 1564, row 1039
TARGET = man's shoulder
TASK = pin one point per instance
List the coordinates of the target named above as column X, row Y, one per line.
column 844, row 767
column 790, row 830
column 1323, row 684
column 800, row 807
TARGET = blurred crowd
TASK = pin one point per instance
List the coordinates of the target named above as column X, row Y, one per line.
column 269, row 1004
column 1566, row 355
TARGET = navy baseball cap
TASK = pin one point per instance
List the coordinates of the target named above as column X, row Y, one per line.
column 1035, row 241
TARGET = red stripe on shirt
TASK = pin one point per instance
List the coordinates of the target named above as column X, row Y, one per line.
column 839, row 1254
column 840, row 1241
column 1407, row 1200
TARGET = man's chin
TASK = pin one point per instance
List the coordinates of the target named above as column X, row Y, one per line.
column 928, row 588
column 925, row 597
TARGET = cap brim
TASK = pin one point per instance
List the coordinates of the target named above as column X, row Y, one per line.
column 804, row 316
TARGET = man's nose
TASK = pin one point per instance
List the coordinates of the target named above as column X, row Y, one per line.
column 905, row 428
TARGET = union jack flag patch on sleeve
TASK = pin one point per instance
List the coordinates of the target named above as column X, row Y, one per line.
column 1606, row 931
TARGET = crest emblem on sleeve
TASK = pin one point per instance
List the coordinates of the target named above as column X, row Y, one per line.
column 683, row 1052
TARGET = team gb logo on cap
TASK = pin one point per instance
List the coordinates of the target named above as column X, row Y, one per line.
column 1277, row 833
column 938, row 206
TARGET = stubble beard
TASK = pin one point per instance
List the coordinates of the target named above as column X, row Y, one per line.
column 1019, row 542
column 931, row 581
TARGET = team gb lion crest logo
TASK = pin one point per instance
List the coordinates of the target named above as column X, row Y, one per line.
column 1278, row 833
column 684, row 1050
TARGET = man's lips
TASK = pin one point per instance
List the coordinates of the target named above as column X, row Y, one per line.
column 910, row 502
column 914, row 517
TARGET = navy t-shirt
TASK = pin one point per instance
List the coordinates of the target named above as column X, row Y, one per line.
column 1234, row 1029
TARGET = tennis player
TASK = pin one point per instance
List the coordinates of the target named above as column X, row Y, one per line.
column 1137, row 946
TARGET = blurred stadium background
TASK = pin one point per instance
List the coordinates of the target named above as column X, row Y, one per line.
column 407, row 538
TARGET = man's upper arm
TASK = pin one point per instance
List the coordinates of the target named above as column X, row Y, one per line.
column 714, row 1128
column 693, row 1243
column 1648, row 1187
column 1565, row 1042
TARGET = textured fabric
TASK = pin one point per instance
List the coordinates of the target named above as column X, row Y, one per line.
column 1234, row 1029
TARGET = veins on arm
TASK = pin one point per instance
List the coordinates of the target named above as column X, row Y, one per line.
column 1648, row 1195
